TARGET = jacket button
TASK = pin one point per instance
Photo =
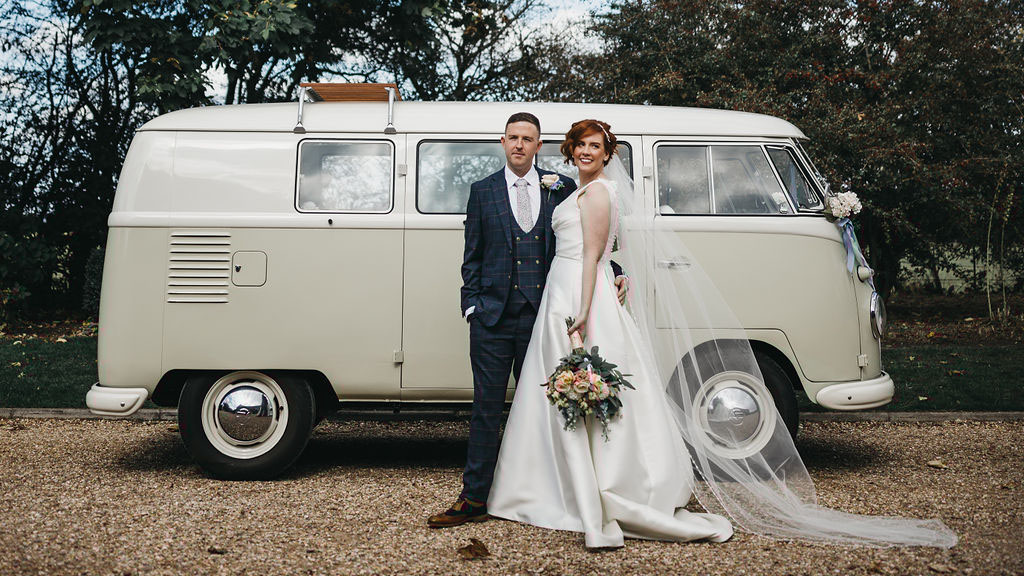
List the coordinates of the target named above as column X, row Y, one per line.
column 538, row 285
column 538, row 261
column 536, row 237
column 515, row 286
column 509, row 276
column 518, row 238
column 519, row 262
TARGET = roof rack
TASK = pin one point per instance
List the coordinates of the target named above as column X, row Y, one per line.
column 345, row 92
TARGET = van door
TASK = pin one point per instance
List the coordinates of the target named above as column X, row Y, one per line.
column 778, row 268
column 351, row 186
column 435, row 337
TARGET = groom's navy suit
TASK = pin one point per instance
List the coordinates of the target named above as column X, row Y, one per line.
column 503, row 273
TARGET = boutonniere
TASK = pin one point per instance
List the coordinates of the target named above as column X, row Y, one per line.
column 551, row 182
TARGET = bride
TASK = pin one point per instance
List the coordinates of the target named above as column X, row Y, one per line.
column 638, row 482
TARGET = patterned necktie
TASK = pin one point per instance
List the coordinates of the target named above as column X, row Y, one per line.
column 523, row 213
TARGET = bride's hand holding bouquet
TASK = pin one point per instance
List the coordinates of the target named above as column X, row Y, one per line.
column 584, row 383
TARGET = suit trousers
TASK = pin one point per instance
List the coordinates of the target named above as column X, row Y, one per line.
column 494, row 353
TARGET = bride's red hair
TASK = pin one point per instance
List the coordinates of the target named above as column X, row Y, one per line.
column 581, row 130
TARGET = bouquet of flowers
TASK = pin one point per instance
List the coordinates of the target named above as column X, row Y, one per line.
column 585, row 384
column 842, row 205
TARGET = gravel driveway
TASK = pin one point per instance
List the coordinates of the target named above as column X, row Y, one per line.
column 122, row 497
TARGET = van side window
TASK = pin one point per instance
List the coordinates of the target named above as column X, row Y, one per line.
column 793, row 178
column 445, row 171
column 683, row 183
column 743, row 182
column 550, row 158
column 345, row 176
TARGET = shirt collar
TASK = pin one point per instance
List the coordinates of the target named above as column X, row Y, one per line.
column 532, row 178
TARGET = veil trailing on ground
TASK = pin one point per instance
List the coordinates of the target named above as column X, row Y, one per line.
column 738, row 442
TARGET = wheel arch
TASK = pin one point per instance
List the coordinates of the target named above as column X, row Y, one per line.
column 168, row 389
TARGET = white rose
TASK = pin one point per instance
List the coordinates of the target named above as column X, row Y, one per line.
column 549, row 179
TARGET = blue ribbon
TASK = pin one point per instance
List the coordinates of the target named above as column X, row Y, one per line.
column 854, row 255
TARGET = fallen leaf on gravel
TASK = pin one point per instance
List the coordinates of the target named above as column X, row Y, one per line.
column 62, row 340
column 217, row 550
column 968, row 319
column 939, row 568
column 474, row 550
column 937, row 463
column 17, row 343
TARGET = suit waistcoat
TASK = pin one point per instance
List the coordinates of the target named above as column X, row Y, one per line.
column 528, row 260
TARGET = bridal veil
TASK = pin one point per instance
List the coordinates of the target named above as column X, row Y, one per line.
column 738, row 443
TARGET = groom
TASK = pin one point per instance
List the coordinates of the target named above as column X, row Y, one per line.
column 509, row 248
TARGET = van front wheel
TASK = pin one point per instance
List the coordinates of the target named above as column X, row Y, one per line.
column 246, row 425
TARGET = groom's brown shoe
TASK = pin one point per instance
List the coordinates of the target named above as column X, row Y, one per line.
column 464, row 510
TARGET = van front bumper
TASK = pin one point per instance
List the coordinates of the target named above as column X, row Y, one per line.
column 859, row 395
column 107, row 401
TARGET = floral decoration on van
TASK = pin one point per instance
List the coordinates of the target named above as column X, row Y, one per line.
column 838, row 209
column 842, row 205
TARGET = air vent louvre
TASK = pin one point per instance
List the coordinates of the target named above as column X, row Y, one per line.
column 199, row 266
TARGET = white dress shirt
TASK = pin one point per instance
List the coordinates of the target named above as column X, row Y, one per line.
column 532, row 188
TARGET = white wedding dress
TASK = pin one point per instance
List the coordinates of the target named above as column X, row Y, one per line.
column 638, row 482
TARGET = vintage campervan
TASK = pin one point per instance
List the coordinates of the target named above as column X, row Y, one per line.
column 267, row 262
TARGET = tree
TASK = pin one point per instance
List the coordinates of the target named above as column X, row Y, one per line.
column 914, row 105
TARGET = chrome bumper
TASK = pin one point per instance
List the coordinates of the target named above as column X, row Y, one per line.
column 106, row 401
column 859, row 395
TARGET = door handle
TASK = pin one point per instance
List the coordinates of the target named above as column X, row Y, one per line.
column 677, row 263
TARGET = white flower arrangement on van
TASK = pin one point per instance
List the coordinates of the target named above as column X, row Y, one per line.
column 842, row 205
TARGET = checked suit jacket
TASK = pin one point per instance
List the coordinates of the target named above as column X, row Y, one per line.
column 487, row 260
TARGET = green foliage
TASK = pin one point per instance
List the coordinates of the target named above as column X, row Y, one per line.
column 24, row 261
column 93, row 282
column 916, row 106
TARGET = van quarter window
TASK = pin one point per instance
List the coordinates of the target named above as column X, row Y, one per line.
column 793, row 178
column 345, row 176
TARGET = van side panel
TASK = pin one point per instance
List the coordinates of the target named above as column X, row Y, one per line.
column 332, row 302
column 784, row 273
column 436, row 337
column 131, row 315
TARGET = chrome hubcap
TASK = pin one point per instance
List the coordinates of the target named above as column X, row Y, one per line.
column 735, row 414
column 245, row 414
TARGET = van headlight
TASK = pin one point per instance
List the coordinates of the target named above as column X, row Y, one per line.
column 877, row 315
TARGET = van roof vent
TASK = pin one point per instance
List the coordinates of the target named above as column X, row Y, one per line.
column 345, row 92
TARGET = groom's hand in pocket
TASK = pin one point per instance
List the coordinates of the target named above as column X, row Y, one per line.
column 622, row 284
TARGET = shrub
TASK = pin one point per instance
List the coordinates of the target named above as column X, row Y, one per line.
column 93, row 282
